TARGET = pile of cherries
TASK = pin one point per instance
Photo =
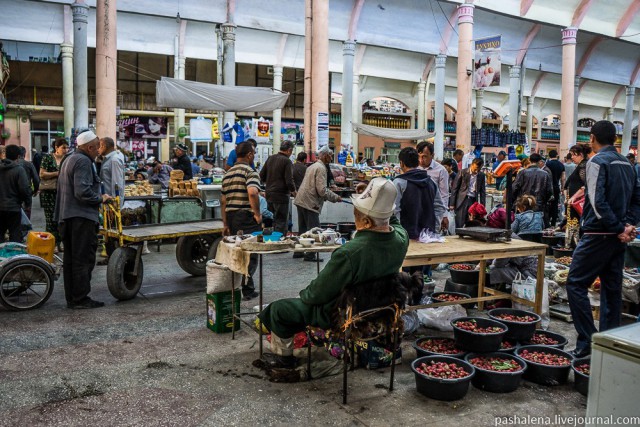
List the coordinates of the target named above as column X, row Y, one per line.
column 472, row 326
column 506, row 345
column 545, row 358
column 542, row 339
column 462, row 267
column 498, row 364
column 584, row 368
column 449, row 297
column 449, row 371
column 440, row 346
column 514, row 318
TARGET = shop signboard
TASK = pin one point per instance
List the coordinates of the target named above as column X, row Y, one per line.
column 322, row 129
column 487, row 62
column 142, row 127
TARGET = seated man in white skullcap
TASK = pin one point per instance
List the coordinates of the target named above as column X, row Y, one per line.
column 377, row 250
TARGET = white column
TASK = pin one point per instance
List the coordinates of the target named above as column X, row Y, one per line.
column 479, row 99
column 628, row 120
column 567, row 100
column 219, row 80
column 465, row 61
column 514, row 97
column 277, row 114
column 67, row 87
column 80, row 81
column 422, row 122
column 529, row 119
column 610, row 114
column 180, row 111
column 438, row 120
column 348, row 52
column 356, row 110
column 576, row 95
column 229, row 65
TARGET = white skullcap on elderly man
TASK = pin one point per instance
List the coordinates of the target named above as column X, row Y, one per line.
column 86, row 137
column 377, row 200
column 324, row 150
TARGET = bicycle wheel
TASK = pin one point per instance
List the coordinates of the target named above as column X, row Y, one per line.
column 25, row 283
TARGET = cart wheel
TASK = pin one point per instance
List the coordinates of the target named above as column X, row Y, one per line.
column 214, row 248
column 192, row 253
column 122, row 283
column 25, row 283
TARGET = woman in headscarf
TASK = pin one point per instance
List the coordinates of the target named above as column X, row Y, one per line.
column 476, row 215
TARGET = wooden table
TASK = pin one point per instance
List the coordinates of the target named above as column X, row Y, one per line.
column 457, row 249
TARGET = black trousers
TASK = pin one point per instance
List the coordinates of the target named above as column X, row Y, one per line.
column 80, row 238
column 553, row 207
column 280, row 216
column 307, row 220
column 10, row 221
column 243, row 220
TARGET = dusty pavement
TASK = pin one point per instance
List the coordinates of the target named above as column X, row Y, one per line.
column 151, row 361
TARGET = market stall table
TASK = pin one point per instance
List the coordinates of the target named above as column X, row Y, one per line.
column 456, row 249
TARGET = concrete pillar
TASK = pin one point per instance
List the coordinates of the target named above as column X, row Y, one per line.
column 422, row 122
column 229, row 66
column 529, row 130
column 277, row 114
column 80, row 82
column 610, row 114
column 356, row 111
column 219, row 60
column 106, row 68
column 479, row 102
column 308, row 52
column 67, row 86
column 319, row 65
column 438, row 120
column 465, row 61
column 348, row 53
column 628, row 120
column 568, row 89
column 514, row 97
column 576, row 91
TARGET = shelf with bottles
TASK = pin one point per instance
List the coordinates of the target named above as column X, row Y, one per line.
column 335, row 119
column 449, row 126
column 549, row 133
column 387, row 121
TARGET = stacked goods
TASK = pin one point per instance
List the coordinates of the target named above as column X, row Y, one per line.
column 581, row 371
column 548, row 339
column 496, row 372
column 183, row 188
column 442, row 377
column 140, row 188
column 451, row 297
column 432, row 346
column 521, row 323
column 545, row 365
column 478, row 334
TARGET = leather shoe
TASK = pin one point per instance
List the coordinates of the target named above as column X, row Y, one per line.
column 86, row 304
column 251, row 296
column 577, row 354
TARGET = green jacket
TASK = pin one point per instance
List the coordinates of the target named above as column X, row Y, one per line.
column 369, row 255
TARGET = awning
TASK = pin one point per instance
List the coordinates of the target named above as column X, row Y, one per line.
column 174, row 93
column 386, row 133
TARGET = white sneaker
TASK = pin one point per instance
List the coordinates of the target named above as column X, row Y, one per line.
column 145, row 249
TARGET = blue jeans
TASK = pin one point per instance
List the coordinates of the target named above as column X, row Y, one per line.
column 596, row 256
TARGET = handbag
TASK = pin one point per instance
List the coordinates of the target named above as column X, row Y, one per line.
column 49, row 184
column 578, row 205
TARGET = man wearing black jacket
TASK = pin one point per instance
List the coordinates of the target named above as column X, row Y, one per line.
column 14, row 192
column 182, row 161
column 611, row 210
column 276, row 174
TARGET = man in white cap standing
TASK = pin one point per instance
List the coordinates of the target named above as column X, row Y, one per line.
column 77, row 214
column 312, row 193
column 377, row 250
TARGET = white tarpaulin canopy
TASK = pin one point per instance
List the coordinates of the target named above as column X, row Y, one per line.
column 386, row 133
column 174, row 93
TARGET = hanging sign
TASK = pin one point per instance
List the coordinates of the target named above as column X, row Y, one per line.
column 487, row 62
column 322, row 130
column 200, row 130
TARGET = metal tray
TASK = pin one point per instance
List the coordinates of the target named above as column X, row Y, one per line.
column 485, row 234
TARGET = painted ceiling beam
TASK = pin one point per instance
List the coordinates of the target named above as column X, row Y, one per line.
column 580, row 13
column 634, row 74
column 448, row 31
column 533, row 32
column 587, row 54
column 627, row 18
column 355, row 17
column 582, row 84
column 525, row 5
column 281, row 48
column 536, row 85
column 617, row 96
column 427, row 68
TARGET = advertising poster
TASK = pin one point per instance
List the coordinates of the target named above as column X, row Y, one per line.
column 487, row 62
column 261, row 130
column 142, row 127
column 322, row 131
column 200, row 130
column 138, row 147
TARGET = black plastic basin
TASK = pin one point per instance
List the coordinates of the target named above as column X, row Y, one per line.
column 518, row 331
column 545, row 374
column 465, row 277
column 436, row 298
column 496, row 381
column 451, row 286
column 442, row 389
column 580, row 380
column 423, row 352
column 476, row 342
column 562, row 341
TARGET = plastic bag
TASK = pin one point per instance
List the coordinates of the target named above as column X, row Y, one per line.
column 452, row 222
column 440, row 317
column 428, row 236
column 411, row 322
column 25, row 225
column 630, row 286
column 526, row 289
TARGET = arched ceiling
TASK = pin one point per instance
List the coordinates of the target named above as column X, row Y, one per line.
column 401, row 37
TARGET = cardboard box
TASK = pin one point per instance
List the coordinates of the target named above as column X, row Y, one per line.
column 219, row 312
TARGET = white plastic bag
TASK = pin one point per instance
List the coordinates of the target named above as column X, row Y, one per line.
column 440, row 317
column 526, row 289
column 451, row 215
column 428, row 236
column 630, row 287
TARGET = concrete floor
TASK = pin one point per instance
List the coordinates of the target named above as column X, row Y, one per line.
column 152, row 361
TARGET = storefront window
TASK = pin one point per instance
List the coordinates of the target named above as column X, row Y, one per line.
column 44, row 133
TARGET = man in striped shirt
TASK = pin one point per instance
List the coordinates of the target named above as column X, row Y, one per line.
column 241, row 205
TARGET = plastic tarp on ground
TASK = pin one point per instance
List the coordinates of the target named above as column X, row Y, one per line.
column 386, row 133
column 174, row 93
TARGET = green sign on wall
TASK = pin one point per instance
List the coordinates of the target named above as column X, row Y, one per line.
column 391, row 145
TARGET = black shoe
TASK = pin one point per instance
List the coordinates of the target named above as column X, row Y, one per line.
column 275, row 361
column 298, row 255
column 313, row 259
column 578, row 354
column 251, row 296
column 103, row 262
column 86, row 304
